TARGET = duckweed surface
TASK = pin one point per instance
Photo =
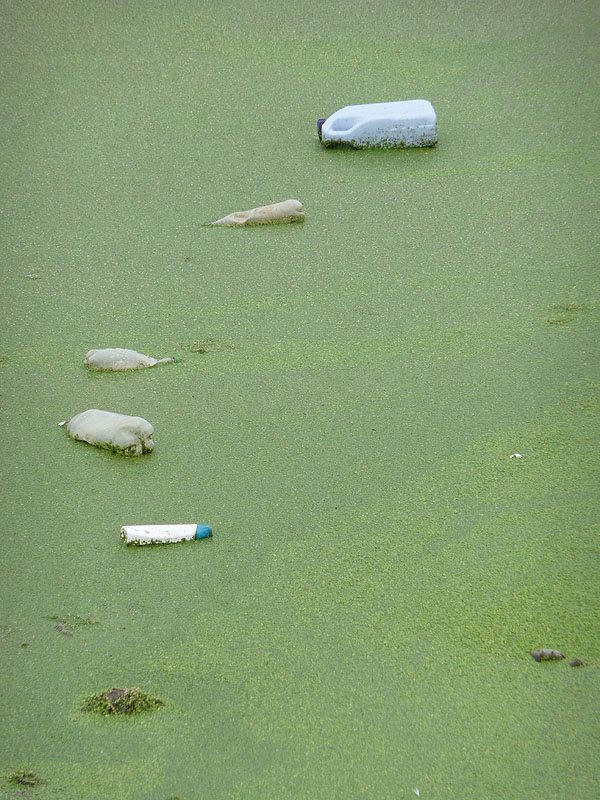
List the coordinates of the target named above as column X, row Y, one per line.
column 362, row 622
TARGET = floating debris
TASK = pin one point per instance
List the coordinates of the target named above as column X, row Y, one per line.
column 576, row 663
column 119, row 358
column 33, row 275
column 63, row 629
column 130, row 436
column 288, row 211
column 162, row 534
column 516, row 455
column 401, row 123
column 121, row 701
column 546, row 654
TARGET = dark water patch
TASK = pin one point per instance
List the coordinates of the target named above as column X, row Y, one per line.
column 209, row 345
column 66, row 622
column 5, row 631
column 27, row 779
column 565, row 313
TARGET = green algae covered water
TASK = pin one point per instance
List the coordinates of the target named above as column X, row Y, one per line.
column 348, row 397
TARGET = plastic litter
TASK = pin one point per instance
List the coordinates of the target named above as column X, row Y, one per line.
column 404, row 123
column 117, row 358
column 546, row 654
column 516, row 455
column 62, row 628
column 130, row 436
column 163, row 534
column 288, row 211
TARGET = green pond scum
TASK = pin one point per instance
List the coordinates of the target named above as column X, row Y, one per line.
column 363, row 624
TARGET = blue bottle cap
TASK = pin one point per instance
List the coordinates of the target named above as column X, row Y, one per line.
column 203, row 532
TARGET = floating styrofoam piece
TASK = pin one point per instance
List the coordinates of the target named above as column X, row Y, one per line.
column 131, row 436
column 117, row 358
column 288, row 211
column 404, row 123
column 162, row 534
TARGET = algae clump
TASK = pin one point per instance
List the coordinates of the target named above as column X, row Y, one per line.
column 121, row 701
column 28, row 779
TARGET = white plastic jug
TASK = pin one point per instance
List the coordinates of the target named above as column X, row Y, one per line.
column 161, row 534
column 405, row 123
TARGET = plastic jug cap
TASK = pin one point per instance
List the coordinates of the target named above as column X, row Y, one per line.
column 203, row 532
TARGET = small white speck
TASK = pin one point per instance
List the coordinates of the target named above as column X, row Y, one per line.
column 417, row 792
column 516, row 455
column 33, row 275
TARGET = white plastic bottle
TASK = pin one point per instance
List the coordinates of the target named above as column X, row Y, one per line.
column 404, row 123
column 121, row 358
column 162, row 534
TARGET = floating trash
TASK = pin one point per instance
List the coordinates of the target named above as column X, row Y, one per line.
column 163, row 534
column 62, row 628
column 288, row 211
column 121, row 701
column 119, row 358
column 546, row 654
column 404, row 123
column 130, row 436
column 577, row 663
column 516, row 455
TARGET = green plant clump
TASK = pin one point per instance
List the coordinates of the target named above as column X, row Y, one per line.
column 121, row 701
column 25, row 779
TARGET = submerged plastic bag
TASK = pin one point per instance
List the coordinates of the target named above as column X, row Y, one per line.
column 288, row 211
column 117, row 358
column 130, row 436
